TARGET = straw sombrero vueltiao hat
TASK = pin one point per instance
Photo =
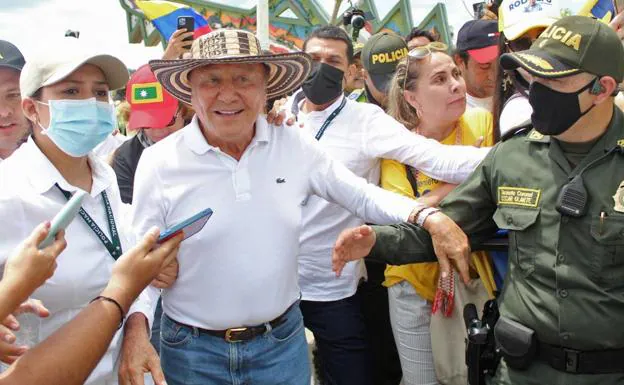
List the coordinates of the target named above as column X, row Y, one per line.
column 287, row 71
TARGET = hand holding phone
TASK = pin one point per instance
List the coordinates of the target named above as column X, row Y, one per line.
column 188, row 23
column 479, row 10
column 190, row 227
column 64, row 217
column 30, row 266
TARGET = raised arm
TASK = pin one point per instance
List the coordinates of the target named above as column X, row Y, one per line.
column 467, row 210
column 386, row 138
column 332, row 181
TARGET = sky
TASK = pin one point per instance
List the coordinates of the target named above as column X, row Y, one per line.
column 28, row 23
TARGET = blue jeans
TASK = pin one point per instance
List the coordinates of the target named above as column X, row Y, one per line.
column 279, row 356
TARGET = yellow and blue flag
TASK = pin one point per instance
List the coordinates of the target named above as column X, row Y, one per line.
column 600, row 9
column 164, row 15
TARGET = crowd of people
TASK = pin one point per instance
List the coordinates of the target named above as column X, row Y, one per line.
column 352, row 187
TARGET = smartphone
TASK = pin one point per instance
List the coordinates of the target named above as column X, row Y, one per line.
column 188, row 23
column 479, row 9
column 190, row 227
column 64, row 217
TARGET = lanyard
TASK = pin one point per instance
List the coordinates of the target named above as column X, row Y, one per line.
column 114, row 246
column 329, row 119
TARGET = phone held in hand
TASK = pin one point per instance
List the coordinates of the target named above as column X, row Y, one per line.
column 188, row 23
column 479, row 10
column 190, row 226
column 64, row 217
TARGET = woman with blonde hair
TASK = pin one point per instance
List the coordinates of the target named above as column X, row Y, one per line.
column 428, row 96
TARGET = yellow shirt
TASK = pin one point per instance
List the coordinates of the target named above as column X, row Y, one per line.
column 473, row 124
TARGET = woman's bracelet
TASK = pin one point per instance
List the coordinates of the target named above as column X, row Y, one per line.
column 121, row 311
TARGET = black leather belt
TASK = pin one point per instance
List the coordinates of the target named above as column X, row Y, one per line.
column 582, row 362
column 243, row 333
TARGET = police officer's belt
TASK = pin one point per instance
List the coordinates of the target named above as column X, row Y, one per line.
column 582, row 362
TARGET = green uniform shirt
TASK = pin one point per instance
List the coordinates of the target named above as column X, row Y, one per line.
column 566, row 275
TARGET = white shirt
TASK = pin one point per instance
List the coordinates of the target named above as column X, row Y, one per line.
column 28, row 197
column 485, row 103
column 241, row 268
column 516, row 111
column 359, row 137
column 110, row 144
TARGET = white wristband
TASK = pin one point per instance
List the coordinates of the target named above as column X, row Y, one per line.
column 423, row 215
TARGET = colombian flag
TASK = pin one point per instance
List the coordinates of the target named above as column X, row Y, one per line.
column 164, row 15
column 600, row 9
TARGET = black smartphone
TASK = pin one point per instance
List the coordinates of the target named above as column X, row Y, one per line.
column 188, row 23
column 479, row 9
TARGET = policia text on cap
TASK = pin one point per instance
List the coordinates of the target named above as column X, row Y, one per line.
column 562, row 305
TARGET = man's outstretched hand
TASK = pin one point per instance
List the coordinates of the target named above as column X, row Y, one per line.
column 449, row 243
column 352, row 244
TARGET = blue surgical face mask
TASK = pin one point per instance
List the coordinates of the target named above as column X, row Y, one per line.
column 78, row 126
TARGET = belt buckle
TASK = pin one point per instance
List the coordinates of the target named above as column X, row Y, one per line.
column 228, row 333
column 571, row 358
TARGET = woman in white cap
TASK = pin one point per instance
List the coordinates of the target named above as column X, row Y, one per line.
column 519, row 30
column 66, row 97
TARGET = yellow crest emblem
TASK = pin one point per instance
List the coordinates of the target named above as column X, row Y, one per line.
column 538, row 61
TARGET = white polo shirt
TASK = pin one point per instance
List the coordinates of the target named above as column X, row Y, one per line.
column 359, row 137
column 241, row 268
column 28, row 196
column 485, row 103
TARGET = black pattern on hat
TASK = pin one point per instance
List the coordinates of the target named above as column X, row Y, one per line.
column 287, row 71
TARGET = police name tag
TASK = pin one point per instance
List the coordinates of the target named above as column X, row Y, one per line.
column 518, row 196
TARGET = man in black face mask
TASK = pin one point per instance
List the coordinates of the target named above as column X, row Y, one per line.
column 357, row 134
column 557, row 187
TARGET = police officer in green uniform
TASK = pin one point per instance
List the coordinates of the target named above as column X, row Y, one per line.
column 380, row 56
column 558, row 187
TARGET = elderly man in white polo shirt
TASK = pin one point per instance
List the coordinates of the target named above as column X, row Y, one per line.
column 233, row 316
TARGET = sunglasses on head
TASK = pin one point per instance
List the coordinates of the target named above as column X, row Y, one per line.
column 521, row 44
column 421, row 53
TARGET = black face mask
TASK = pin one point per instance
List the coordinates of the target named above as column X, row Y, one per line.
column 324, row 83
column 555, row 112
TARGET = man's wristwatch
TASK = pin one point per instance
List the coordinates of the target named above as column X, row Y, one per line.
column 424, row 214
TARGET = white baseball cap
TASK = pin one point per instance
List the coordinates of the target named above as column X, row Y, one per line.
column 516, row 17
column 61, row 58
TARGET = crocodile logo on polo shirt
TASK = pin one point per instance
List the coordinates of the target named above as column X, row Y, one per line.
column 280, row 180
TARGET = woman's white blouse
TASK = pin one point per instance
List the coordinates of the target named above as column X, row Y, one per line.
column 28, row 196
